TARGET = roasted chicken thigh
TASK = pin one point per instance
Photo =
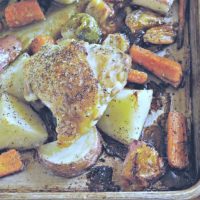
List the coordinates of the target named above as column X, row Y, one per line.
column 76, row 81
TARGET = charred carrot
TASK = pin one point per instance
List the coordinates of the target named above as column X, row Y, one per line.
column 22, row 13
column 176, row 140
column 10, row 162
column 164, row 68
column 138, row 77
column 181, row 14
column 39, row 41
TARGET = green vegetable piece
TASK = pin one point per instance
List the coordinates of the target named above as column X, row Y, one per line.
column 82, row 27
column 117, row 40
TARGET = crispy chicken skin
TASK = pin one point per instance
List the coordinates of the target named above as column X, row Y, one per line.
column 76, row 81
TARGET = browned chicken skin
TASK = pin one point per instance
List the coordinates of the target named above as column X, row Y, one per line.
column 76, row 81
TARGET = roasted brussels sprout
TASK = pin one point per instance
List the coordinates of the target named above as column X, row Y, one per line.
column 139, row 20
column 161, row 6
column 117, row 40
column 83, row 27
column 102, row 12
column 164, row 34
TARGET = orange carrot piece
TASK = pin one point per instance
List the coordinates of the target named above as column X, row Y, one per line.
column 138, row 77
column 10, row 162
column 164, row 68
column 22, row 13
column 176, row 141
column 39, row 41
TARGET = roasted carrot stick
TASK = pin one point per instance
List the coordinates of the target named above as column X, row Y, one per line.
column 164, row 68
column 10, row 162
column 22, row 13
column 39, row 41
column 176, row 141
column 138, row 77
column 181, row 14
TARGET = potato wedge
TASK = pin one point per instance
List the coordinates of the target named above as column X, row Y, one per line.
column 72, row 160
column 12, row 78
column 126, row 114
column 21, row 128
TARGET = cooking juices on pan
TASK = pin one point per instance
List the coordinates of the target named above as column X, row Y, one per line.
column 92, row 83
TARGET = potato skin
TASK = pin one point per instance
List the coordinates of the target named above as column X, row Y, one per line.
column 75, row 168
column 10, row 48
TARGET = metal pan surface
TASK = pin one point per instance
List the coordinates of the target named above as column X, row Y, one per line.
column 37, row 183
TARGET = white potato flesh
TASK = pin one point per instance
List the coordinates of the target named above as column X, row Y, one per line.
column 72, row 160
column 161, row 6
column 126, row 114
column 12, row 78
column 20, row 126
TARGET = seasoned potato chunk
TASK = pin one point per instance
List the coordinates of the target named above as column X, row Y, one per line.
column 72, row 160
column 12, row 80
column 126, row 114
column 20, row 126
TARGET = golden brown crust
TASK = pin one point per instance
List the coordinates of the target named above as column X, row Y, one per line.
column 76, row 81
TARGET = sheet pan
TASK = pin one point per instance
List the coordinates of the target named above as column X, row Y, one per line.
column 37, row 183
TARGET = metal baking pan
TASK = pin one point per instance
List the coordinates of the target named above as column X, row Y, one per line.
column 36, row 183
